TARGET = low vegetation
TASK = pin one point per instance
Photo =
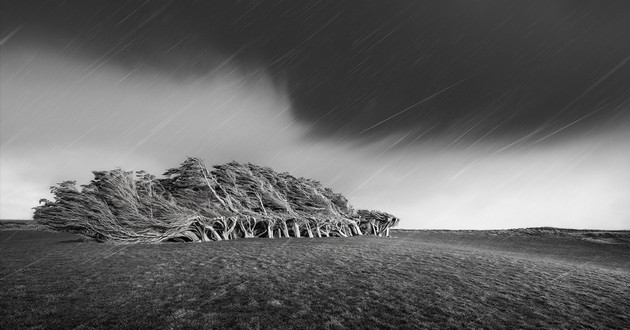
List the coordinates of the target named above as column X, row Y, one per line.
column 193, row 204
column 415, row 279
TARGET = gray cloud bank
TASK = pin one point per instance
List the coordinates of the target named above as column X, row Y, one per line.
column 364, row 69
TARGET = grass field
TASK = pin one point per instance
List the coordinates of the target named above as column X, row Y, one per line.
column 416, row 279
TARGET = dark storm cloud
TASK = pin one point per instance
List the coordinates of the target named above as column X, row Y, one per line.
column 367, row 68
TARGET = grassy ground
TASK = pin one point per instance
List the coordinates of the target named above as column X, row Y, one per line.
column 20, row 225
column 415, row 280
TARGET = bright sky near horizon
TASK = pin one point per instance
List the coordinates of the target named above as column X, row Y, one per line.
column 521, row 121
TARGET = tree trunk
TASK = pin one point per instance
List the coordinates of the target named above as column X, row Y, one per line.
column 318, row 231
column 387, row 232
column 308, row 230
column 374, row 230
column 356, row 228
column 269, row 230
column 381, row 230
column 296, row 229
column 247, row 227
column 204, row 237
column 285, row 229
column 198, row 229
column 214, row 233
column 228, row 227
column 340, row 231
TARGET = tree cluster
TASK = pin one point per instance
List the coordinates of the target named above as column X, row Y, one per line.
column 193, row 204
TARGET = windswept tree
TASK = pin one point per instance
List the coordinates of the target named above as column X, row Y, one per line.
column 191, row 203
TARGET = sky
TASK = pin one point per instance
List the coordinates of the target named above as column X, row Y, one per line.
column 450, row 114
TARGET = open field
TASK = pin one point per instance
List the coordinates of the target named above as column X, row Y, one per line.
column 20, row 225
column 416, row 279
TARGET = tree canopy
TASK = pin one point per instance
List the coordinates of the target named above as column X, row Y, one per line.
column 191, row 203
